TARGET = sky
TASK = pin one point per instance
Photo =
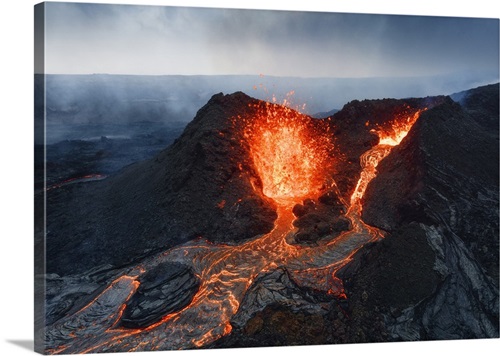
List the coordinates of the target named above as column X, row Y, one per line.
column 155, row 40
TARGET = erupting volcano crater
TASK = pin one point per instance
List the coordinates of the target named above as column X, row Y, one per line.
column 249, row 230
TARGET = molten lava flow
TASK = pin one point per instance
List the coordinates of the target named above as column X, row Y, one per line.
column 398, row 129
column 388, row 138
column 87, row 178
column 287, row 154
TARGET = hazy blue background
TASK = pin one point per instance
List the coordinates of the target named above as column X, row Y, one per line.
column 114, row 39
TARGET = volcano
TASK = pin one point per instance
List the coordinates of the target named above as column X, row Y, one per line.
column 263, row 226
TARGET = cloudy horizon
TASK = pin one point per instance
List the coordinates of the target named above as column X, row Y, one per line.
column 157, row 40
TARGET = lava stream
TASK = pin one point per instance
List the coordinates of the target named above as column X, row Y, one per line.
column 226, row 272
column 87, row 178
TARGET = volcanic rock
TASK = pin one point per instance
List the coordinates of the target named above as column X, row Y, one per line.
column 165, row 289
column 276, row 311
column 320, row 219
column 440, row 188
column 200, row 186
column 446, row 171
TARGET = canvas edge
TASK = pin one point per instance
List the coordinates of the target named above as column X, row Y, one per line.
column 39, row 176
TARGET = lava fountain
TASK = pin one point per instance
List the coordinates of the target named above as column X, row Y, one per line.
column 289, row 153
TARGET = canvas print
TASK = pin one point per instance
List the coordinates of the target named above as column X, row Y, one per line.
column 222, row 178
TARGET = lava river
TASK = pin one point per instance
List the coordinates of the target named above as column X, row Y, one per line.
column 286, row 162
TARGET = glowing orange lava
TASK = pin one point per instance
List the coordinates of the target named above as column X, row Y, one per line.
column 288, row 156
column 87, row 178
column 398, row 130
column 388, row 138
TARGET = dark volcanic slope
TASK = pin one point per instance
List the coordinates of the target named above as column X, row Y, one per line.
column 199, row 187
column 439, row 189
